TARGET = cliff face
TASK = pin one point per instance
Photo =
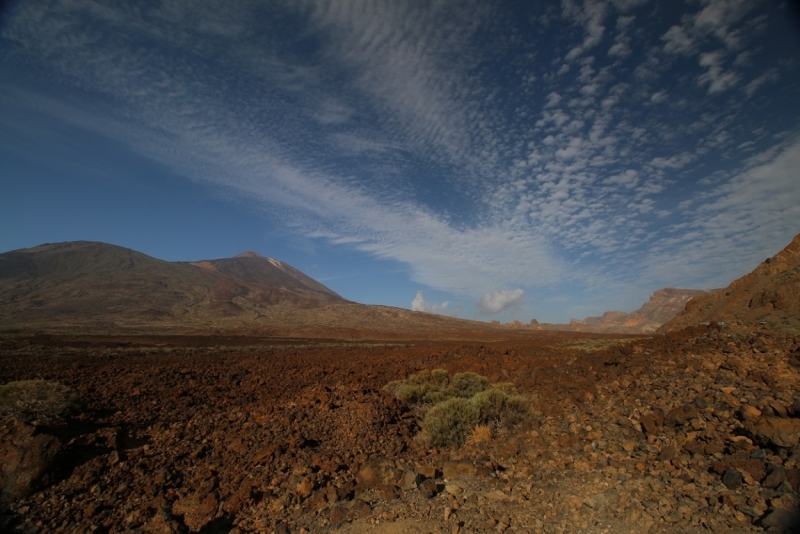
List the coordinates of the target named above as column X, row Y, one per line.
column 769, row 294
column 662, row 307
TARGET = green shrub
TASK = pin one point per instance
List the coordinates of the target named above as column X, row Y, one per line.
column 440, row 378
column 449, row 423
column 459, row 403
column 37, row 401
column 465, row 385
column 489, row 404
column 516, row 409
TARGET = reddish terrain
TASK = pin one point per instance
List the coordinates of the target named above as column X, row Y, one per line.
column 770, row 294
column 685, row 433
column 282, row 425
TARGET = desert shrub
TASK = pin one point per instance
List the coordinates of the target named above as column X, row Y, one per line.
column 440, row 378
column 480, row 434
column 465, row 385
column 516, row 409
column 454, row 407
column 449, row 423
column 37, row 401
column 489, row 404
column 412, row 393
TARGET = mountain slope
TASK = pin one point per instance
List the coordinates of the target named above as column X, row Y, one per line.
column 88, row 283
column 771, row 294
column 99, row 288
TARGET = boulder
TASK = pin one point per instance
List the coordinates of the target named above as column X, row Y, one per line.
column 24, row 457
column 779, row 431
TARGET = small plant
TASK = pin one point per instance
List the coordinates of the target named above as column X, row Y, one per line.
column 480, row 434
column 460, row 408
column 450, row 422
column 37, row 401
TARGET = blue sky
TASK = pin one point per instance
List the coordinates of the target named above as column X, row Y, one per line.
column 510, row 160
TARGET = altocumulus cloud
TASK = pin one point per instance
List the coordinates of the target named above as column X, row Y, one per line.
column 498, row 300
column 420, row 304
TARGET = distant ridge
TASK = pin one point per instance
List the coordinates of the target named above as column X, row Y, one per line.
column 769, row 294
column 663, row 305
column 91, row 287
column 94, row 283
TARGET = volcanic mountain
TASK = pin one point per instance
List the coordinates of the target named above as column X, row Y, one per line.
column 97, row 287
column 769, row 294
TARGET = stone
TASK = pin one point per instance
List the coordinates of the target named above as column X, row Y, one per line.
column 428, row 488
column 778, row 518
column 456, row 469
column 649, row 425
column 24, row 457
column 378, row 473
column 452, row 489
column 779, row 431
column 197, row 509
column 775, row 477
column 732, row 478
column 496, row 495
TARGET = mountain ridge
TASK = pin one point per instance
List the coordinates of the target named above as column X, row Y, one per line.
column 85, row 286
column 770, row 294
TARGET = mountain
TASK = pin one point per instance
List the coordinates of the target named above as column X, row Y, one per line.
column 96, row 287
column 663, row 305
column 769, row 294
column 96, row 284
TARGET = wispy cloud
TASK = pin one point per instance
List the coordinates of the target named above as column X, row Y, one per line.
column 393, row 129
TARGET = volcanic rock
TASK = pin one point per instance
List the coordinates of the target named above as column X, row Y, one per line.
column 770, row 294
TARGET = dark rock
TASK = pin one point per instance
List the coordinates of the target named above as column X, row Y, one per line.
column 759, row 454
column 779, row 518
column 428, row 488
column 775, row 477
column 732, row 478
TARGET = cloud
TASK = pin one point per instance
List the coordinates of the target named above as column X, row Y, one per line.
column 498, row 300
column 420, row 304
column 564, row 183
column 715, row 77
column 771, row 76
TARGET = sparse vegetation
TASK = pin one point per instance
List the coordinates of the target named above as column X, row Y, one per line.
column 592, row 345
column 460, row 408
column 37, row 401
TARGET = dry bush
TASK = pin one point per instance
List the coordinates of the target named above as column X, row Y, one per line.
column 480, row 434
column 465, row 385
column 449, row 423
column 453, row 406
column 37, row 401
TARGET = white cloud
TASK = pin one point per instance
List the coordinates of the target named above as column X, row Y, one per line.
column 771, row 76
column 498, row 300
column 715, row 77
column 420, row 304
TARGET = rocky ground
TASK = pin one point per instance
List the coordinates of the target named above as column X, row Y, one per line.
column 696, row 431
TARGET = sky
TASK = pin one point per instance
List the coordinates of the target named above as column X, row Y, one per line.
column 483, row 159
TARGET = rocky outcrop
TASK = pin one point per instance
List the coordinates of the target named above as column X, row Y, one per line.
column 24, row 457
column 662, row 306
column 769, row 294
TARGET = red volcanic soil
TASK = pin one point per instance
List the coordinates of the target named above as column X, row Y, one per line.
column 690, row 432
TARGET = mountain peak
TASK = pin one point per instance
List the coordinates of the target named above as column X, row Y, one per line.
column 250, row 254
